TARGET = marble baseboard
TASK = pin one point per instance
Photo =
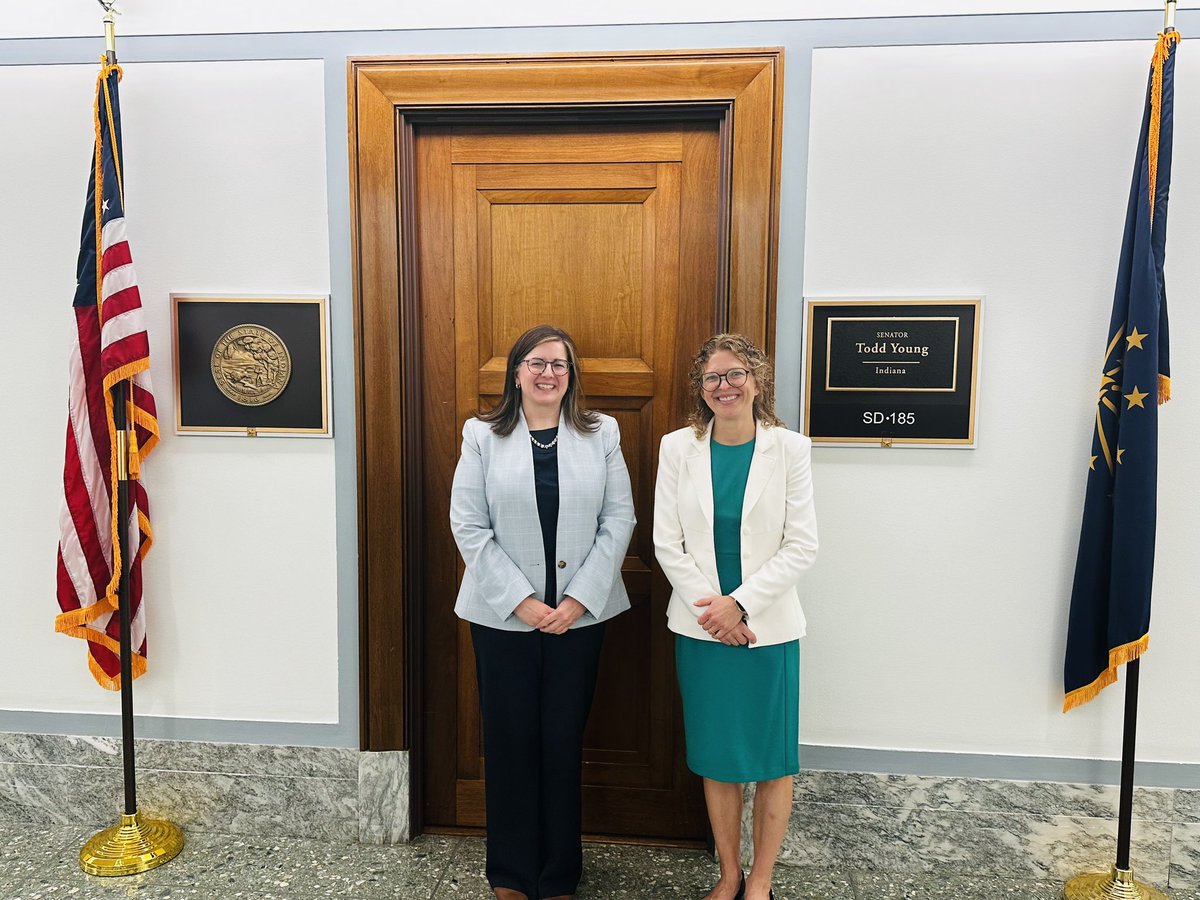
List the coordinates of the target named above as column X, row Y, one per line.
column 1185, row 855
column 1187, row 806
column 1037, row 798
column 181, row 756
column 228, row 788
column 383, row 798
column 914, row 840
column 1027, row 830
column 1185, row 840
column 840, row 821
column 901, row 824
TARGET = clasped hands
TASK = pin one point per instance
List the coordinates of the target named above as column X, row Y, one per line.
column 723, row 620
column 550, row 619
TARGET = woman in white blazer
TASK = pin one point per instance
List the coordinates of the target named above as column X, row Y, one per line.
column 542, row 512
column 734, row 529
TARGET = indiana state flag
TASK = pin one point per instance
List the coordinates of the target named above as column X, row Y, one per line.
column 1110, row 600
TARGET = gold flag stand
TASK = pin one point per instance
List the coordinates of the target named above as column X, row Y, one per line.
column 136, row 845
column 1118, row 884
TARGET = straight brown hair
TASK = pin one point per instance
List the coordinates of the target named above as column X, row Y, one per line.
column 505, row 414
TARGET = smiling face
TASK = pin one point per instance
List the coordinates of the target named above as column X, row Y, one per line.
column 543, row 391
column 730, row 403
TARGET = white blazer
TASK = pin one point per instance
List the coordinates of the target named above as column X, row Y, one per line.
column 494, row 518
column 779, row 531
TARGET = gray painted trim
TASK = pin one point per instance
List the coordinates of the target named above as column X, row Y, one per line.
column 985, row 765
column 346, row 490
column 795, row 36
column 345, row 438
column 798, row 38
column 218, row 731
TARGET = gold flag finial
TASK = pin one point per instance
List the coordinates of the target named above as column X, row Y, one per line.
column 110, row 27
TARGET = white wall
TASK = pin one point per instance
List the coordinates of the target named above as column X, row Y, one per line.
column 62, row 18
column 938, row 608
column 225, row 191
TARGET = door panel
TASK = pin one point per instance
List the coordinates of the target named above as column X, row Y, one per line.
column 613, row 234
column 551, row 144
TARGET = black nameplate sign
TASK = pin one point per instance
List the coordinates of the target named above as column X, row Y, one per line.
column 892, row 371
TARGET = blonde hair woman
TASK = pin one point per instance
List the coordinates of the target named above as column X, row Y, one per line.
column 734, row 529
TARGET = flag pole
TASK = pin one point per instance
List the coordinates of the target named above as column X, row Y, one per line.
column 1128, row 742
column 123, row 598
column 136, row 845
column 1119, row 883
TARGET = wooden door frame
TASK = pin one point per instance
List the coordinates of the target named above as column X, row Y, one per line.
column 387, row 96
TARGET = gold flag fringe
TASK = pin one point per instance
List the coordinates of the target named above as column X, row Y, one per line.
column 1117, row 656
column 1162, row 50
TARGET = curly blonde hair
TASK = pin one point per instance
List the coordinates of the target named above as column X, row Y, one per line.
column 699, row 415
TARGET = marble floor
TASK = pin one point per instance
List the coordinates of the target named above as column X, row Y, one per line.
column 42, row 862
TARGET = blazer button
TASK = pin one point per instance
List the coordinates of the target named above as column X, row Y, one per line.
column 562, row 564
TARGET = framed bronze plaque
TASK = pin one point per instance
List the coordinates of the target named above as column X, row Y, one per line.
column 247, row 365
column 892, row 371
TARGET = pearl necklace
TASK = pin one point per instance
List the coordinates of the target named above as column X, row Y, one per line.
column 538, row 443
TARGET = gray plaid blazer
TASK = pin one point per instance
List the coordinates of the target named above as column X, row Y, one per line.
column 494, row 518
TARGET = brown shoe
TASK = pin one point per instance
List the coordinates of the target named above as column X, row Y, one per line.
column 509, row 894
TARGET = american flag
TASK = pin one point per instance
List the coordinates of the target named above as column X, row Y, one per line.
column 110, row 345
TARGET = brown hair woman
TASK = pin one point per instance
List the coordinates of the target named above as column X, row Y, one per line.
column 542, row 512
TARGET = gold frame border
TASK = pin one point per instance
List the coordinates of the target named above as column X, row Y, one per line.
column 322, row 300
column 807, row 375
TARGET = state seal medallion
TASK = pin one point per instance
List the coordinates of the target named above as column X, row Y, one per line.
column 251, row 365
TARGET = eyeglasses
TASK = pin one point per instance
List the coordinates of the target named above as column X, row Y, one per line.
column 538, row 366
column 734, row 378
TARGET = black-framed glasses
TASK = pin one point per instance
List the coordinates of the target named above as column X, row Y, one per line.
column 538, row 366
column 734, row 378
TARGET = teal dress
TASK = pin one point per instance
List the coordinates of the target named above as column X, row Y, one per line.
column 741, row 705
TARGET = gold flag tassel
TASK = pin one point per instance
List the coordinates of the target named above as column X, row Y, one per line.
column 1162, row 50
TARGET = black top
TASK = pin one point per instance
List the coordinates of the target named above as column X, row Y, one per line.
column 545, row 483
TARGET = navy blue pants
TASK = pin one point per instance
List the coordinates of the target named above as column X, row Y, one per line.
column 535, row 692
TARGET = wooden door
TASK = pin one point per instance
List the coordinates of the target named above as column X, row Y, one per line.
column 443, row 284
column 610, row 232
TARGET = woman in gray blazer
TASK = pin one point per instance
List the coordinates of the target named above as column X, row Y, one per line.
column 734, row 529
column 542, row 513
